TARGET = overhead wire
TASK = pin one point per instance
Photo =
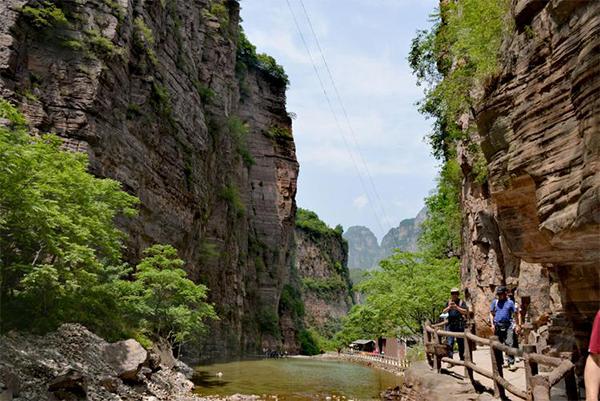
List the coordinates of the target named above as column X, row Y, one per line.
column 345, row 113
column 335, row 117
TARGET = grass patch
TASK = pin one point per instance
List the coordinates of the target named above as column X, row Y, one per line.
column 277, row 132
column 238, row 130
column 231, row 194
column 45, row 14
column 144, row 39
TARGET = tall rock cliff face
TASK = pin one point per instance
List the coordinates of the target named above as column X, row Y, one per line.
column 404, row 237
column 363, row 247
column 536, row 224
column 154, row 93
column 322, row 266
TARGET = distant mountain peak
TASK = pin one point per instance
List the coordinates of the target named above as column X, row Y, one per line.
column 364, row 252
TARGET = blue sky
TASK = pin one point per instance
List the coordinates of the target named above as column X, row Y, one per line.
column 365, row 43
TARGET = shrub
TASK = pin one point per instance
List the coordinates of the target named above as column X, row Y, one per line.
column 221, row 12
column 268, row 322
column 231, row 194
column 310, row 222
column 291, row 300
column 206, row 94
column 144, row 39
column 101, row 46
column 247, row 56
column 45, row 14
column 279, row 132
column 238, row 130
column 308, row 343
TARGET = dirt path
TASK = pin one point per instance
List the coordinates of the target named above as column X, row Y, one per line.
column 481, row 357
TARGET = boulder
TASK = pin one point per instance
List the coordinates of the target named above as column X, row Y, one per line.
column 126, row 358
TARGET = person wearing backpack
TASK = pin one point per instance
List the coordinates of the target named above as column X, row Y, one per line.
column 502, row 311
column 456, row 310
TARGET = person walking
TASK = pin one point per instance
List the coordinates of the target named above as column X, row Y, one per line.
column 456, row 310
column 591, row 374
column 516, row 322
column 502, row 310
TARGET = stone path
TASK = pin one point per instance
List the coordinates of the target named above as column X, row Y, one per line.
column 481, row 357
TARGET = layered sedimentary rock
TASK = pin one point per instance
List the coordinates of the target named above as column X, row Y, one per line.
column 154, row 93
column 536, row 223
column 321, row 263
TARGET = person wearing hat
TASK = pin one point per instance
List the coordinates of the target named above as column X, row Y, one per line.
column 501, row 317
column 456, row 310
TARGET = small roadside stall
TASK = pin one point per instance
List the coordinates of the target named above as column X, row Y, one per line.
column 363, row 345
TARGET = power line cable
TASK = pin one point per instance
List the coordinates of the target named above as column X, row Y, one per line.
column 343, row 108
column 340, row 130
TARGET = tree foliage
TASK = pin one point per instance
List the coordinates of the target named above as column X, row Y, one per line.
column 247, row 56
column 57, row 235
column 440, row 233
column 61, row 253
column 459, row 52
column 163, row 300
column 408, row 289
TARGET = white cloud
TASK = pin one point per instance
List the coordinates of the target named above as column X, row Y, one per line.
column 360, row 201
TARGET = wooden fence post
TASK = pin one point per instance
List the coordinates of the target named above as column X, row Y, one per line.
column 541, row 388
column 531, row 367
column 496, row 356
column 426, row 340
column 571, row 386
column 436, row 357
column 468, row 356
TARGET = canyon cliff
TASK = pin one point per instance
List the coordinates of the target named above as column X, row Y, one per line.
column 322, row 265
column 535, row 223
column 169, row 99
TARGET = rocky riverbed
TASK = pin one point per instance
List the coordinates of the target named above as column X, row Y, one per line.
column 73, row 363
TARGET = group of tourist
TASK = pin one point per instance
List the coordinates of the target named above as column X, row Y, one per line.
column 505, row 321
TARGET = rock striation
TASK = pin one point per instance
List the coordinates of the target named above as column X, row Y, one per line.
column 536, row 223
column 157, row 95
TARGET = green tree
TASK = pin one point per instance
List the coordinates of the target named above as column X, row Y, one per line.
column 440, row 236
column 408, row 289
column 58, row 240
column 165, row 302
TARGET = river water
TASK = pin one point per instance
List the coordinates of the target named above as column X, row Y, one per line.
column 294, row 379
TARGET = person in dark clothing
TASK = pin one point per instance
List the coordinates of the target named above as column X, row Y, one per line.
column 502, row 311
column 457, row 311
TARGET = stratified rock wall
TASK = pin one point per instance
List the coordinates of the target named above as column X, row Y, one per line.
column 536, row 224
column 153, row 92
column 322, row 265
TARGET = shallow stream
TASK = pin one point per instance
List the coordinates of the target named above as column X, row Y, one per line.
column 294, row 379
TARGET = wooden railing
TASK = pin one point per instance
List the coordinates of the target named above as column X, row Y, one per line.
column 538, row 385
column 380, row 359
